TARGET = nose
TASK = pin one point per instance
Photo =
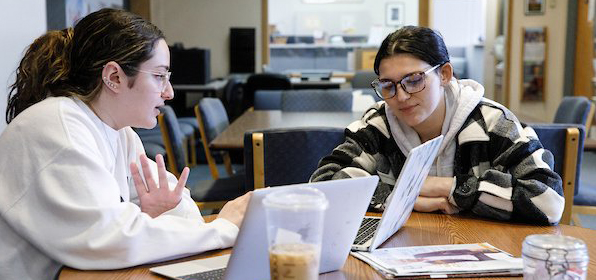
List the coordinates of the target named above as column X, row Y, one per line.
column 168, row 93
column 401, row 94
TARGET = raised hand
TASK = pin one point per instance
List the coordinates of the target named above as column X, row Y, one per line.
column 155, row 199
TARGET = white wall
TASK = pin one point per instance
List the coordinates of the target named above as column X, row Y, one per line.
column 294, row 17
column 492, row 14
column 461, row 22
column 20, row 23
column 206, row 24
column 554, row 19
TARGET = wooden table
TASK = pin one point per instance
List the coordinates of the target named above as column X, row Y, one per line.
column 420, row 229
column 233, row 136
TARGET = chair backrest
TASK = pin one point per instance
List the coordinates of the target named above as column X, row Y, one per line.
column 173, row 139
column 323, row 100
column 268, row 99
column 362, row 79
column 566, row 143
column 233, row 95
column 212, row 119
column 263, row 81
column 286, row 156
column 573, row 109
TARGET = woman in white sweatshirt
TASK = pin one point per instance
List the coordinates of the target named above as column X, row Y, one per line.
column 72, row 191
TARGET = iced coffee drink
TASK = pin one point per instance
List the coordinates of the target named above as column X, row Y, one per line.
column 297, row 261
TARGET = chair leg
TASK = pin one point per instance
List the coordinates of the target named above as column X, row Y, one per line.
column 193, row 151
column 575, row 219
column 228, row 163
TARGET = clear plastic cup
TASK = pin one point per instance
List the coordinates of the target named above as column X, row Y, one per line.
column 295, row 231
column 548, row 256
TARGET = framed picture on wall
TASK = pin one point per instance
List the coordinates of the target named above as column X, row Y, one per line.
column 534, row 55
column 394, row 14
column 534, row 7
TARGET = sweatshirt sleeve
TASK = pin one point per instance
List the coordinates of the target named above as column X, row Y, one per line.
column 512, row 176
column 359, row 156
column 60, row 196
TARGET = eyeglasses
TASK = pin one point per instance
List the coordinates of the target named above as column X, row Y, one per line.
column 164, row 78
column 411, row 83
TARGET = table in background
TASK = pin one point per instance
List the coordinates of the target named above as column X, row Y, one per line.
column 420, row 229
column 233, row 136
column 186, row 96
column 332, row 83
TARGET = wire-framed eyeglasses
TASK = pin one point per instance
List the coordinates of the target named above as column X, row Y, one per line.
column 411, row 83
column 163, row 77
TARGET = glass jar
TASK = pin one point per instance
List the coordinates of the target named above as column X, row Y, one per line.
column 548, row 256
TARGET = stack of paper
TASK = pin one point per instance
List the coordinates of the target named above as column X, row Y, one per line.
column 469, row 260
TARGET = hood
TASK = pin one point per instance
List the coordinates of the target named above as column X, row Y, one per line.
column 461, row 97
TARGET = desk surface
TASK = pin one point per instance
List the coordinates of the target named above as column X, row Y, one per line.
column 420, row 229
column 233, row 136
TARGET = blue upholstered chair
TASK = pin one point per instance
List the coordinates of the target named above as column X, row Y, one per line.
column 190, row 137
column 330, row 100
column 580, row 110
column 573, row 109
column 233, row 95
column 207, row 193
column 268, row 99
column 286, row 156
column 566, row 143
column 363, row 78
column 262, row 81
column 213, row 120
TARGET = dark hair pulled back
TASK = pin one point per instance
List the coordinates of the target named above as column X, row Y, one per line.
column 421, row 42
column 69, row 62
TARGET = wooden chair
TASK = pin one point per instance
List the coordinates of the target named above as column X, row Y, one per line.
column 286, row 156
column 212, row 194
column 565, row 142
column 213, row 120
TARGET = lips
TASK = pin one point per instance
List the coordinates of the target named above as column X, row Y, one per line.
column 407, row 109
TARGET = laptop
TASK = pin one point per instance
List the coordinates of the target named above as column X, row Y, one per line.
column 348, row 202
column 400, row 203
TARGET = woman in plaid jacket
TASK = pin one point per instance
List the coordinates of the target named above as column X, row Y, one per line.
column 487, row 164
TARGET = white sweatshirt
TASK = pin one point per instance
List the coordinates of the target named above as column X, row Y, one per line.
column 67, row 198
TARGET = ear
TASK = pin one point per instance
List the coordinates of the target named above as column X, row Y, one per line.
column 446, row 73
column 113, row 77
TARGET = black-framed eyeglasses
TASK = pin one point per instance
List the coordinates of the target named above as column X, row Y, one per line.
column 411, row 83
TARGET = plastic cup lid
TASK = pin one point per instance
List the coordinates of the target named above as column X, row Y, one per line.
column 297, row 199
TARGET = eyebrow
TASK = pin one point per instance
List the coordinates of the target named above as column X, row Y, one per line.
column 164, row 66
column 402, row 77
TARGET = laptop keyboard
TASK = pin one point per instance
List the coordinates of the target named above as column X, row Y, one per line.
column 216, row 274
column 367, row 230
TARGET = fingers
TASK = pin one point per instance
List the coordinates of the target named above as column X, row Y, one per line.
column 182, row 181
column 161, row 172
column 147, row 173
column 136, row 177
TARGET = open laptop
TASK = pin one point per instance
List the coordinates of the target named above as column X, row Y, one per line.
column 348, row 202
column 400, row 203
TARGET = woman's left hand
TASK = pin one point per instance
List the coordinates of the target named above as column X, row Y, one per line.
column 157, row 200
column 437, row 186
column 432, row 204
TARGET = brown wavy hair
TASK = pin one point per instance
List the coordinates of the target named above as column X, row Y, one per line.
column 69, row 62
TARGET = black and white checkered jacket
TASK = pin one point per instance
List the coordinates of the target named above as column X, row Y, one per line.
column 501, row 169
